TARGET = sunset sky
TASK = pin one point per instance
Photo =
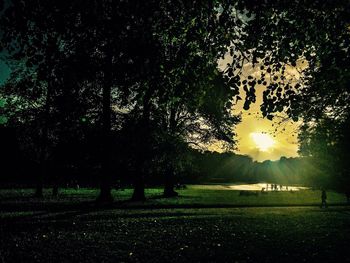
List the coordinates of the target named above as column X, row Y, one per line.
column 252, row 122
column 284, row 134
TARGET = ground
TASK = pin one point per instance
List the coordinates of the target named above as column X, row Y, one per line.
column 200, row 225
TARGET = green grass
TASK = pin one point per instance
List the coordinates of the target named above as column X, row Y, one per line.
column 183, row 229
column 192, row 196
column 295, row 234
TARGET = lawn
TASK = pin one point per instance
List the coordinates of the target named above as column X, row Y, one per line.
column 194, row 227
column 192, row 196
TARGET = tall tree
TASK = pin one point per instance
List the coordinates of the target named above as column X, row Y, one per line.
column 187, row 41
column 324, row 144
column 87, row 36
column 31, row 35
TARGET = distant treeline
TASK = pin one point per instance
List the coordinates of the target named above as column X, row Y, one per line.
column 196, row 166
column 213, row 167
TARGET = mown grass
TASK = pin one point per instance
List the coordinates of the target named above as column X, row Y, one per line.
column 263, row 234
column 183, row 229
column 191, row 196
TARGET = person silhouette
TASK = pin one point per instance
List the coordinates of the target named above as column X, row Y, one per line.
column 324, row 199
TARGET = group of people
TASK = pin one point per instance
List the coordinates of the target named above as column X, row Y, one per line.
column 274, row 187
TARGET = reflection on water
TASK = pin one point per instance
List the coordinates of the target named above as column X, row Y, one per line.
column 248, row 187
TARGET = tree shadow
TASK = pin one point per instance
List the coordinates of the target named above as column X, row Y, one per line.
column 89, row 212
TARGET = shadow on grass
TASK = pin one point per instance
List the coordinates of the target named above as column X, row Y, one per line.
column 30, row 204
column 85, row 211
column 67, row 208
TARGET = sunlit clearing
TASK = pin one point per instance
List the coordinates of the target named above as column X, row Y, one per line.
column 263, row 141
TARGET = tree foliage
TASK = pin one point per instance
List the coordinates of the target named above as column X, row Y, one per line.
column 150, row 65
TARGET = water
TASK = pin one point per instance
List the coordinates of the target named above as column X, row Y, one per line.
column 246, row 187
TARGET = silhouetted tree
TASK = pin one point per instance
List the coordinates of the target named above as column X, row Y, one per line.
column 187, row 93
column 325, row 144
column 86, row 38
column 283, row 38
column 32, row 35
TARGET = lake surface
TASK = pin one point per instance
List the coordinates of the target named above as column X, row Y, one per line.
column 247, row 187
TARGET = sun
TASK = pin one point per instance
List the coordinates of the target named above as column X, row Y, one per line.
column 263, row 141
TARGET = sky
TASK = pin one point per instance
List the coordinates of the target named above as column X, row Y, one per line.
column 4, row 74
column 283, row 134
column 285, row 137
column 4, row 71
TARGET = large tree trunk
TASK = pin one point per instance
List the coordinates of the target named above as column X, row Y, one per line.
column 169, row 185
column 105, row 195
column 139, row 189
column 43, row 146
column 40, row 184
column 169, row 191
column 55, row 190
column 40, row 180
column 56, row 178
column 170, row 171
column 348, row 196
column 143, row 152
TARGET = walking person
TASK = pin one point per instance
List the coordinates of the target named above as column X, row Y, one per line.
column 324, row 199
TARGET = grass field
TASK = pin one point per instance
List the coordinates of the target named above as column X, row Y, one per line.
column 201, row 225
column 192, row 196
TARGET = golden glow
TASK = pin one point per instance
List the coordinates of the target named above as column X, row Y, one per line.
column 282, row 131
column 263, row 141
